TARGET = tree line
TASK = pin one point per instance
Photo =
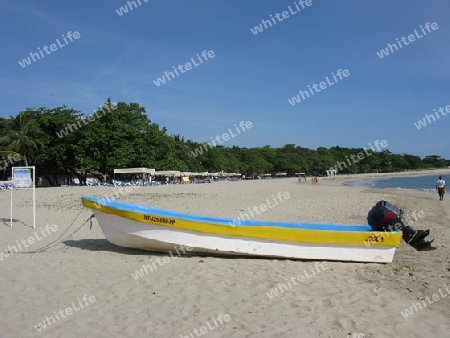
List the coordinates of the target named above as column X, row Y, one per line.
column 65, row 141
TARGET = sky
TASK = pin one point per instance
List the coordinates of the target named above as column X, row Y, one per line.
column 251, row 76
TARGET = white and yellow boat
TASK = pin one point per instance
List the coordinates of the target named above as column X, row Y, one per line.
column 147, row 228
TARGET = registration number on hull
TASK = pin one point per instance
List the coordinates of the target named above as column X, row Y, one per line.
column 161, row 220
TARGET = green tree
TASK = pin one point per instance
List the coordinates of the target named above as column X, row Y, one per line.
column 434, row 161
column 21, row 136
column 123, row 136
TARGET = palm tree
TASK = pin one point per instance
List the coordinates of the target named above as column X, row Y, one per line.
column 19, row 137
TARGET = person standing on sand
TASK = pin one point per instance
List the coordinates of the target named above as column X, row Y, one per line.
column 440, row 188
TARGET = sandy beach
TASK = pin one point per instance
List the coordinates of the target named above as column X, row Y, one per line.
column 207, row 296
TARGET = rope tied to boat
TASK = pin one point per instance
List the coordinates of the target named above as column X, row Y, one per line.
column 55, row 242
column 90, row 219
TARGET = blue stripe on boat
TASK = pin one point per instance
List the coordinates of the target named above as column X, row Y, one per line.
column 224, row 221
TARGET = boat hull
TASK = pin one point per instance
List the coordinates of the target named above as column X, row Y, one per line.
column 152, row 237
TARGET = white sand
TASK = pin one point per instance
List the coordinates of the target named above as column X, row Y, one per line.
column 186, row 293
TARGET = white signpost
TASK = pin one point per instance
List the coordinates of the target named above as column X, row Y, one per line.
column 23, row 179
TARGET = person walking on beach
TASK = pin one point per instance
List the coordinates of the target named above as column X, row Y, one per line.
column 440, row 188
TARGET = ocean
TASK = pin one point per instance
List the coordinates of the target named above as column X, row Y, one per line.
column 423, row 183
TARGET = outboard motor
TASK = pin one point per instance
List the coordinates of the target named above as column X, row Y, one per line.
column 386, row 217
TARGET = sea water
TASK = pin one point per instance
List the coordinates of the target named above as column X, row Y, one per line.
column 423, row 183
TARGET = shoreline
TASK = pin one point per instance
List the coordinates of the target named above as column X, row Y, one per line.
column 189, row 290
column 346, row 180
column 428, row 172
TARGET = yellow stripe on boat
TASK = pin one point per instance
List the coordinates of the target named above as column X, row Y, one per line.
column 387, row 239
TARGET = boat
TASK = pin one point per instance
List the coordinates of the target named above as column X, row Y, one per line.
column 142, row 227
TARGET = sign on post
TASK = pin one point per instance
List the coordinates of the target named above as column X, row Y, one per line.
column 24, row 178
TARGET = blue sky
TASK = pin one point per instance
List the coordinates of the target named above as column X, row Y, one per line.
column 251, row 76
